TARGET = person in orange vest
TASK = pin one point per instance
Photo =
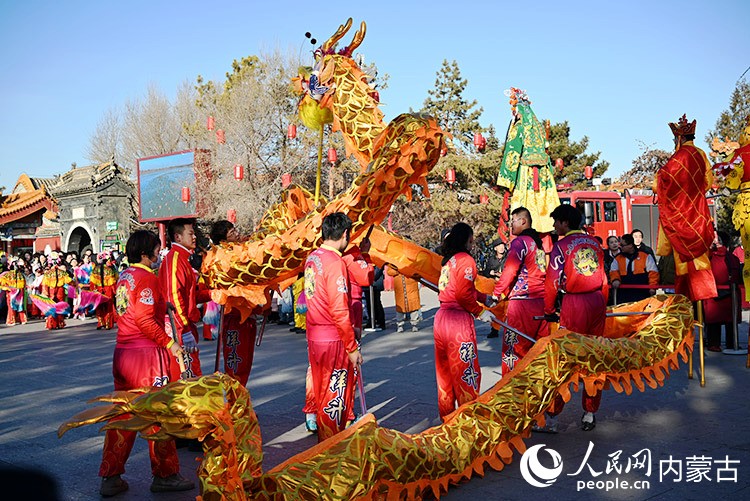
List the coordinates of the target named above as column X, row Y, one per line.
column 633, row 267
column 408, row 302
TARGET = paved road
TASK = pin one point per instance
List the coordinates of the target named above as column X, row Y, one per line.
column 46, row 377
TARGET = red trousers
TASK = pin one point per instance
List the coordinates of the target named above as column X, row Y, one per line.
column 585, row 314
column 333, row 378
column 56, row 321
column 521, row 313
column 192, row 360
column 12, row 315
column 238, row 339
column 456, row 359
column 310, row 406
column 135, row 368
column 105, row 313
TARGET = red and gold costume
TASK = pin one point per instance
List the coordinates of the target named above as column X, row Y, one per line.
column 238, row 340
column 15, row 283
column 576, row 267
column 141, row 359
column 179, row 283
column 103, row 280
column 685, row 224
column 737, row 172
column 456, row 356
column 522, row 282
column 361, row 274
column 330, row 338
column 54, row 287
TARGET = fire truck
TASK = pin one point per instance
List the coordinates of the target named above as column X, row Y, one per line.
column 612, row 213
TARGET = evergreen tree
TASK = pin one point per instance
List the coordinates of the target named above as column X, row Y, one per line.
column 451, row 109
column 574, row 156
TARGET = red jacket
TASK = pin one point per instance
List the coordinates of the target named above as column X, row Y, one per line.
column 361, row 271
column 141, row 306
column 327, row 289
column 456, row 283
column 180, row 287
column 523, row 271
column 576, row 266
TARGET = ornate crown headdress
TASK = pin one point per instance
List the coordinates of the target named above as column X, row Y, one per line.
column 683, row 127
column 516, row 96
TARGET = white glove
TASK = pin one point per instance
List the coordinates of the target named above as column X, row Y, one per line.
column 487, row 316
column 490, row 301
column 189, row 343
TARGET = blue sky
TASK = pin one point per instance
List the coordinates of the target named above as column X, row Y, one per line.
column 617, row 71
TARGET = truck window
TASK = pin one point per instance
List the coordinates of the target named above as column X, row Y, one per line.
column 598, row 207
column 610, row 211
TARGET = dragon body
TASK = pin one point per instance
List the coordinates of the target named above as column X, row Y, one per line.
column 371, row 462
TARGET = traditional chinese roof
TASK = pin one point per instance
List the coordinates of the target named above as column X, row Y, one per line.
column 87, row 179
column 28, row 196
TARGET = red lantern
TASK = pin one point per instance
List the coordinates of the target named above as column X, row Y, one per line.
column 332, row 156
column 210, row 123
column 484, row 199
column 559, row 164
column 588, row 172
column 450, row 176
column 291, row 131
column 185, row 194
column 286, row 180
column 479, row 141
column 220, row 137
column 239, row 172
column 232, row 216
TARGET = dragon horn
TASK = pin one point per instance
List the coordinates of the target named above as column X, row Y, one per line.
column 328, row 44
column 359, row 35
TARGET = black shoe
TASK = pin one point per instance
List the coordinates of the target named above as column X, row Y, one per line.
column 588, row 426
column 493, row 333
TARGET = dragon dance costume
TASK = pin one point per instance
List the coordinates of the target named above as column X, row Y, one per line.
column 526, row 169
column 685, row 224
column 330, row 338
column 576, row 267
column 238, row 341
column 179, row 281
column 522, row 282
column 141, row 359
column 456, row 357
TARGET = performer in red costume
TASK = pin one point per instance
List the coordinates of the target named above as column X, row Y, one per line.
column 103, row 279
column 685, row 224
column 54, row 284
column 237, row 336
column 142, row 358
column 15, row 281
column 180, row 286
column 456, row 356
column 522, row 282
column 576, row 268
column 331, row 346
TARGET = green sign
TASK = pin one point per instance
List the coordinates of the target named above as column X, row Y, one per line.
column 111, row 225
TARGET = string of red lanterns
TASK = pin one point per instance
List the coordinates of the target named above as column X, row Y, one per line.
column 291, row 131
column 232, row 216
column 588, row 172
column 220, row 136
column 185, row 195
column 484, row 199
column 210, row 123
column 332, row 155
column 559, row 164
column 450, row 176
